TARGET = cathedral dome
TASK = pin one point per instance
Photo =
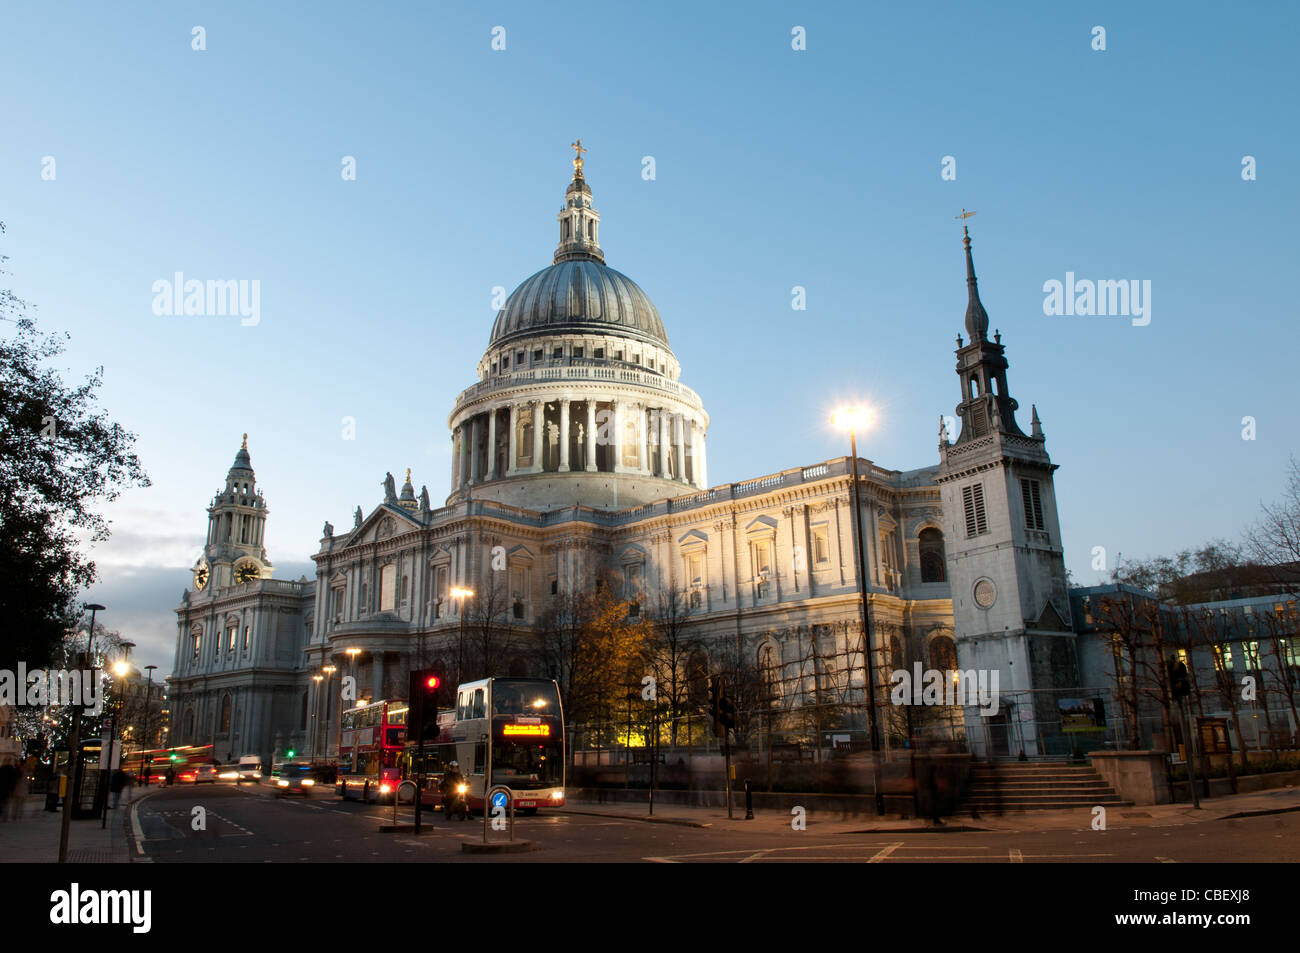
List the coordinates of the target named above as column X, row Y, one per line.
column 581, row 295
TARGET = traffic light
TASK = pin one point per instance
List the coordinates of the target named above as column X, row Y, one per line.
column 1179, row 684
column 290, row 753
column 727, row 713
column 422, row 718
column 715, row 696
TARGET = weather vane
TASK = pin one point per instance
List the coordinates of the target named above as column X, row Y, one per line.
column 578, row 149
column 962, row 218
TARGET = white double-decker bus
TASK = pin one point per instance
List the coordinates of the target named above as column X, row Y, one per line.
column 516, row 725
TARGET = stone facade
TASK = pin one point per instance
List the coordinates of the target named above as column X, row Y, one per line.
column 579, row 450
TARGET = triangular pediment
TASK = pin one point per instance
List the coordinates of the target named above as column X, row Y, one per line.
column 1050, row 620
column 384, row 521
column 761, row 524
column 693, row 538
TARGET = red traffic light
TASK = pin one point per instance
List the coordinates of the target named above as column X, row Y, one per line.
column 432, row 682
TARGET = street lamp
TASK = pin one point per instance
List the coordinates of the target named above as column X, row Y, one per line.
column 850, row 419
column 74, row 752
column 315, row 716
column 328, row 671
column 462, row 594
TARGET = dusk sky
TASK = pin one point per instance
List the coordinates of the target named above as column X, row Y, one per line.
column 774, row 168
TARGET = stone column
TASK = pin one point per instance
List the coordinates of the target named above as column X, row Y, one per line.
column 664, row 443
column 642, row 441
column 539, row 419
column 700, row 461
column 564, row 435
column 455, row 459
column 377, row 676
column 492, row 444
column 474, row 475
column 679, row 448
column 616, row 425
column 512, row 451
column 591, row 435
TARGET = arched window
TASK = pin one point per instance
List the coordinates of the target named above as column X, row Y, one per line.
column 943, row 654
column 895, row 653
column 225, row 715
column 932, row 555
column 769, row 667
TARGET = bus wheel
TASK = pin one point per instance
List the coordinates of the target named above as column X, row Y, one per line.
column 406, row 792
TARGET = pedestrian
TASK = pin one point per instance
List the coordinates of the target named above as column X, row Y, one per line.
column 18, row 799
column 116, row 783
column 8, row 782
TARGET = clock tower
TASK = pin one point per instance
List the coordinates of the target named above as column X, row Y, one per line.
column 1011, row 612
column 234, row 553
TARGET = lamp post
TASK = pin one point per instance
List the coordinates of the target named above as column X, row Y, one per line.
column 315, row 717
column 462, row 595
column 328, row 672
column 120, row 670
column 74, row 752
column 851, row 418
column 148, row 718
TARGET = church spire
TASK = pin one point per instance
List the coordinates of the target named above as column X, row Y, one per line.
column 986, row 407
column 977, row 319
column 579, row 220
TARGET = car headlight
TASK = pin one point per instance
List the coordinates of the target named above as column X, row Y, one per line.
column 462, row 788
column 307, row 782
column 557, row 795
column 282, row 783
column 385, row 788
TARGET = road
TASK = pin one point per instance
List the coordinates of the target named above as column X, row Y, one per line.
column 250, row 824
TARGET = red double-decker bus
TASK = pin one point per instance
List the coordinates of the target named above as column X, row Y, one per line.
column 372, row 739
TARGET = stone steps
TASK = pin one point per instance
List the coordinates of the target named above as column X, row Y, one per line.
column 1040, row 786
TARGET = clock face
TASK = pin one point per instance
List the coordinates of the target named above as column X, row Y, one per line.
column 247, row 573
column 985, row 593
column 200, row 575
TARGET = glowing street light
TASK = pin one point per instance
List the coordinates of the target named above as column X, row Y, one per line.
column 852, row 419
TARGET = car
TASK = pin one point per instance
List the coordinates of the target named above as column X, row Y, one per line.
column 295, row 779
column 250, row 768
column 228, row 772
column 206, row 774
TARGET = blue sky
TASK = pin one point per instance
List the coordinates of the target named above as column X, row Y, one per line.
column 775, row 168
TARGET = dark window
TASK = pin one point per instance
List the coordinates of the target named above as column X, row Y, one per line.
column 973, row 500
column 557, row 353
column 930, row 543
column 599, row 352
column 537, row 354
column 1029, row 491
column 943, row 654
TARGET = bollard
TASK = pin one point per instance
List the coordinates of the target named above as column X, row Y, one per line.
column 749, row 800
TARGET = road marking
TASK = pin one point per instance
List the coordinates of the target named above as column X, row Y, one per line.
column 136, row 830
column 1165, row 860
column 885, row 852
column 753, row 857
column 1016, row 856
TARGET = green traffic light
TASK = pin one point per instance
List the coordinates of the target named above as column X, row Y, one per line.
column 291, row 752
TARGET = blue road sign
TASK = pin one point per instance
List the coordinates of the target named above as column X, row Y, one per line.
column 499, row 799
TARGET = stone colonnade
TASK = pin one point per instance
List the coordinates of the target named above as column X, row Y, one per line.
column 601, row 434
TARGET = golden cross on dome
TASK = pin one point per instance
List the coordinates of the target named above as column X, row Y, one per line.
column 962, row 218
column 578, row 149
column 245, row 446
column 408, row 474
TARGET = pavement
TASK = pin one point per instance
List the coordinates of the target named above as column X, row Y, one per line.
column 34, row 838
column 1277, row 801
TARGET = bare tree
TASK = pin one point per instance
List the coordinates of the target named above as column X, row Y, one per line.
column 668, row 651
